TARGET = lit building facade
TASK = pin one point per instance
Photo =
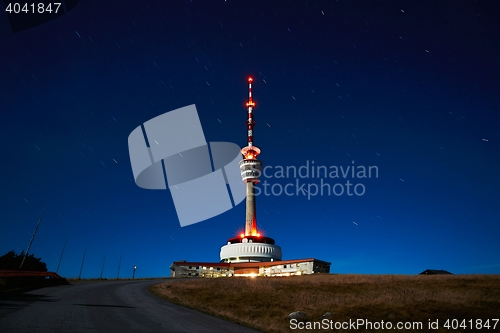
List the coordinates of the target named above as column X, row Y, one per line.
column 184, row 269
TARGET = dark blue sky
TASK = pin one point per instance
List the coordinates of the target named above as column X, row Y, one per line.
column 410, row 88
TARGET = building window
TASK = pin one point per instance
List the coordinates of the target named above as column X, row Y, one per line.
column 284, row 266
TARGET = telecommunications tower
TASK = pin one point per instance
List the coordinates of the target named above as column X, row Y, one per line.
column 250, row 168
column 250, row 246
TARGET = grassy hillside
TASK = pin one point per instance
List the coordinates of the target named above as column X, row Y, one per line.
column 264, row 303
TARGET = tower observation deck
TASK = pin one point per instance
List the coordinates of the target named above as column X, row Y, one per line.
column 251, row 245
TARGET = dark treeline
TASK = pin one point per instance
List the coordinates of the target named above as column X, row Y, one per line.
column 12, row 261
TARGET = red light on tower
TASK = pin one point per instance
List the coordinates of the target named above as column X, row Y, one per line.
column 250, row 102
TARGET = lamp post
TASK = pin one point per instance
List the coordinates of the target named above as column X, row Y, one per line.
column 133, row 274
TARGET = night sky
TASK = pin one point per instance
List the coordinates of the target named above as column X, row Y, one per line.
column 409, row 87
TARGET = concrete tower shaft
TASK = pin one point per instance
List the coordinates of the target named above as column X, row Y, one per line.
column 251, row 211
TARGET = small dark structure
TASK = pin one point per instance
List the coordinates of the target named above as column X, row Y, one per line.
column 434, row 272
column 17, row 273
column 16, row 280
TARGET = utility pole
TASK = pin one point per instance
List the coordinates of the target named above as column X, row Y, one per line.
column 32, row 238
column 81, row 267
column 102, row 269
column 119, row 263
column 60, row 258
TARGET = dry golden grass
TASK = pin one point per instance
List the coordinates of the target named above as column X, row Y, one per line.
column 264, row 303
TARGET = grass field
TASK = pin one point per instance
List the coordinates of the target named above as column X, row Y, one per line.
column 264, row 303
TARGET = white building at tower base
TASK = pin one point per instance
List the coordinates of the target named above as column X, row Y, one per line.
column 183, row 269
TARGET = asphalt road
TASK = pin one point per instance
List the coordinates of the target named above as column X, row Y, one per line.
column 107, row 306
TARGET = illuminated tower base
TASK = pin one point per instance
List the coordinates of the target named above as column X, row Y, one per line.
column 250, row 249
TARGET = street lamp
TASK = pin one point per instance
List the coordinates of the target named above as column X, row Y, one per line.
column 133, row 274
